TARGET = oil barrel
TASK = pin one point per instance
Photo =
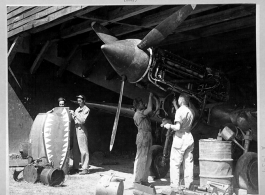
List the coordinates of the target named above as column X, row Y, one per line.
column 31, row 173
column 52, row 177
column 215, row 161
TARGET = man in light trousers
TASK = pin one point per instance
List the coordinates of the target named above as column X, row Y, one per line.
column 143, row 157
column 183, row 143
column 79, row 117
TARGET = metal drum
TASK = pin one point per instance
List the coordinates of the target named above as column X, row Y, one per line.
column 215, row 158
column 110, row 185
column 31, row 173
column 52, row 177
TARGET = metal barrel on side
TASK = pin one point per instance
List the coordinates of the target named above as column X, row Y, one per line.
column 52, row 177
column 31, row 173
column 215, row 161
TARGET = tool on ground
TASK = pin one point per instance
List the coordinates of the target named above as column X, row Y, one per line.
column 224, row 189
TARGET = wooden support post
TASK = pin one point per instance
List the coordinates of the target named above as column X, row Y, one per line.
column 39, row 58
column 11, row 55
column 10, row 70
column 13, row 49
column 67, row 61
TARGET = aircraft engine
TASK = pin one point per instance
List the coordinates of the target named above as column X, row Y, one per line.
column 170, row 72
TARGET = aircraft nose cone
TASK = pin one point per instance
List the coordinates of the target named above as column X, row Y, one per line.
column 126, row 58
column 119, row 56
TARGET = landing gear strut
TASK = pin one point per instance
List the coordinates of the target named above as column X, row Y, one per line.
column 160, row 157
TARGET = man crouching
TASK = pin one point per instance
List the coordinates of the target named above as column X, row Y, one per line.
column 143, row 157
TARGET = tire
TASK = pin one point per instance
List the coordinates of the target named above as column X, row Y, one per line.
column 246, row 172
column 157, row 169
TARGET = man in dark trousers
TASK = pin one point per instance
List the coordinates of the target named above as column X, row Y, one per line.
column 183, row 143
column 143, row 157
column 79, row 116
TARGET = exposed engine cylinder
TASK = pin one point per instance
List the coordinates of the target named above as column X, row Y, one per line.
column 171, row 72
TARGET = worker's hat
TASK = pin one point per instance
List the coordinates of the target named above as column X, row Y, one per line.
column 82, row 97
column 61, row 99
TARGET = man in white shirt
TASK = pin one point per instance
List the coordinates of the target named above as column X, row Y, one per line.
column 183, row 143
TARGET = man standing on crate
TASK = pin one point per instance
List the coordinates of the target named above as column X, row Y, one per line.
column 79, row 116
column 183, row 143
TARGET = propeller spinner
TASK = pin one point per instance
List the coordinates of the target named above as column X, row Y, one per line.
column 131, row 58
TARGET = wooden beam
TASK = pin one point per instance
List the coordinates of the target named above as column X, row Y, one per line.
column 114, row 16
column 39, row 58
column 18, row 11
column 129, row 11
column 12, row 8
column 121, row 23
column 67, row 61
column 34, row 17
column 13, row 49
column 12, row 73
column 27, row 14
column 11, row 55
column 62, row 14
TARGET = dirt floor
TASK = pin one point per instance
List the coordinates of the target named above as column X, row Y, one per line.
column 84, row 184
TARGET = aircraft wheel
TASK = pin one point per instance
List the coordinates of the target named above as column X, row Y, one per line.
column 158, row 169
column 246, row 172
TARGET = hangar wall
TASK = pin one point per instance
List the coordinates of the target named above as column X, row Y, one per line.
column 19, row 122
column 39, row 94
